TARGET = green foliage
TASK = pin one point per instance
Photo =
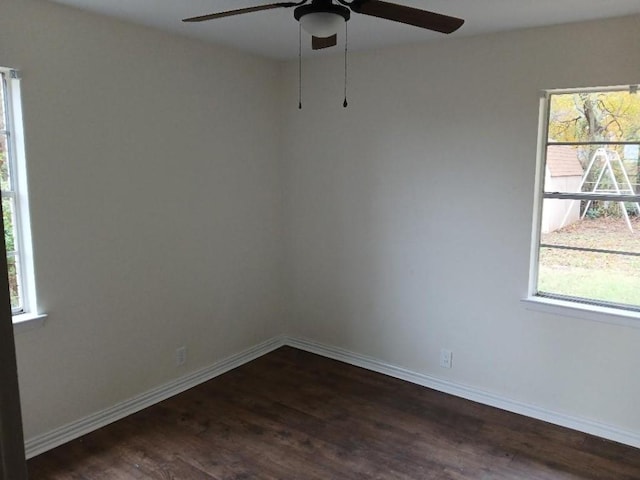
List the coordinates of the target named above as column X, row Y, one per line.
column 7, row 218
column 610, row 209
column 595, row 211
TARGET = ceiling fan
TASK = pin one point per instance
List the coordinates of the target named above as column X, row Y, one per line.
column 322, row 18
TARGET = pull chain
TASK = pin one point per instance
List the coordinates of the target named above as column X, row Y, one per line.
column 300, row 67
column 346, row 50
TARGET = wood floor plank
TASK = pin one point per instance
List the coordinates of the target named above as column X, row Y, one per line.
column 384, row 430
column 318, row 441
column 294, row 415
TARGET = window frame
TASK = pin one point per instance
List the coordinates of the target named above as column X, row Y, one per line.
column 565, row 305
column 16, row 158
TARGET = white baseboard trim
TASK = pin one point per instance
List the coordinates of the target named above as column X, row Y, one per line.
column 470, row 393
column 47, row 441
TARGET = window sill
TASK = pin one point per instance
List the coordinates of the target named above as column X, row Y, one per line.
column 28, row 321
column 593, row 313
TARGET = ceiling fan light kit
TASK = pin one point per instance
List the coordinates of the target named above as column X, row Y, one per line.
column 321, row 24
column 323, row 18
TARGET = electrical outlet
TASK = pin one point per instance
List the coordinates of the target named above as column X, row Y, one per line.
column 181, row 356
column 446, row 357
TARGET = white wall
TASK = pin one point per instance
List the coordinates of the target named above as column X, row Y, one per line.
column 156, row 206
column 409, row 214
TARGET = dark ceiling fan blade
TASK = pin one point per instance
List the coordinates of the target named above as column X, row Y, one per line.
column 318, row 43
column 229, row 13
column 408, row 15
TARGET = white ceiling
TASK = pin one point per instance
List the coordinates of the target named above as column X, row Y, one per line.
column 274, row 33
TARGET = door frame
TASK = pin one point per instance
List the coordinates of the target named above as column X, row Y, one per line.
column 13, row 463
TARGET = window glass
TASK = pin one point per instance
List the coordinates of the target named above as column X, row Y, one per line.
column 14, row 197
column 2, row 106
column 594, row 258
column 14, row 287
column 4, row 162
column 9, row 222
column 589, row 242
column 594, row 116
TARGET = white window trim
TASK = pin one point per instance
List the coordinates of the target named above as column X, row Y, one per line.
column 556, row 306
column 28, row 321
column 29, row 314
column 584, row 311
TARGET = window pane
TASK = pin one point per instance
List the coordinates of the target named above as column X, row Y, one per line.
column 14, row 282
column 594, row 117
column 593, row 168
column 13, row 215
column 594, row 275
column 4, row 164
column 8, row 216
column 2, row 104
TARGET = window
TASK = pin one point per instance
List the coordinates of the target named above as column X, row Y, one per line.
column 15, row 212
column 587, row 244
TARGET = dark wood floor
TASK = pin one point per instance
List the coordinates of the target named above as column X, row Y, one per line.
column 294, row 415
